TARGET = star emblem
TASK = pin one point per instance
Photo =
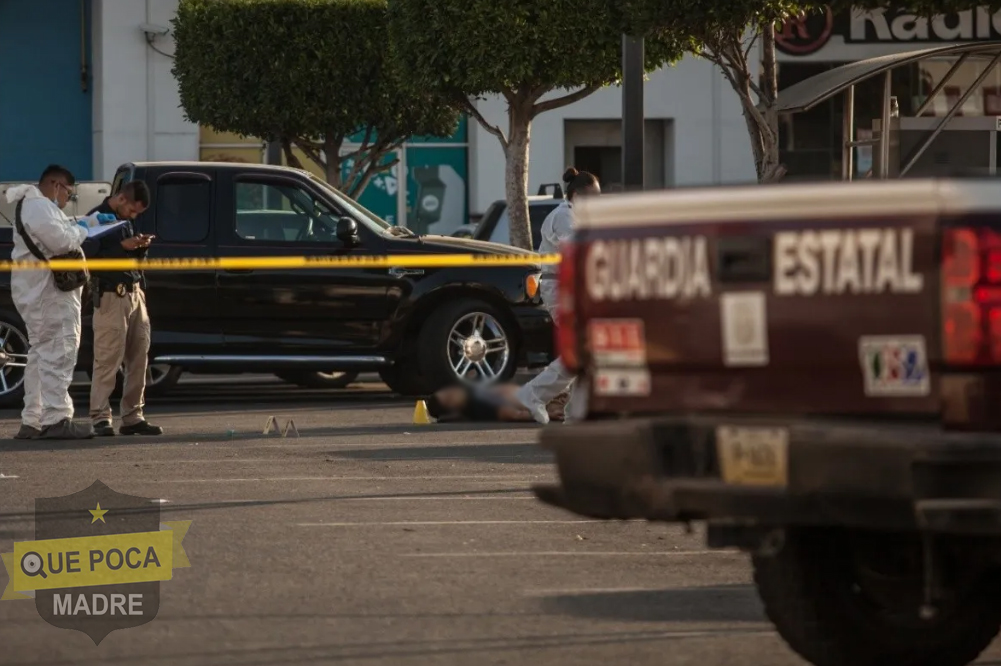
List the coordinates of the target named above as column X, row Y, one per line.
column 98, row 514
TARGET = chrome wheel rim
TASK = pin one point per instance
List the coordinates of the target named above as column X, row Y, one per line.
column 14, row 358
column 478, row 348
column 331, row 375
column 156, row 373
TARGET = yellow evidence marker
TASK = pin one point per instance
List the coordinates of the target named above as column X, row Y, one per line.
column 421, row 416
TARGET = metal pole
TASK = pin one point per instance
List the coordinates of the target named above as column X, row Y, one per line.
column 848, row 135
column 273, row 154
column 941, row 84
column 632, row 112
column 948, row 116
column 884, row 129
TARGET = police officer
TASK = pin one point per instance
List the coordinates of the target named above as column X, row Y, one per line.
column 121, row 323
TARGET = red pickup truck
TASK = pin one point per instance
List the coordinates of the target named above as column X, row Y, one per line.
column 815, row 371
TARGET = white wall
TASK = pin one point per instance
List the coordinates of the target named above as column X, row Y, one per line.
column 137, row 114
column 710, row 139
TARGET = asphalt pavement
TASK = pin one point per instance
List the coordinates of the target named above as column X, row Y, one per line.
column 370, row 540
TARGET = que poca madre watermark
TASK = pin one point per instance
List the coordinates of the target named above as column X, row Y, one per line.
column 96, row 562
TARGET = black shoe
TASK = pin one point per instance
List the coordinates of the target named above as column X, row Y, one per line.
column 68, row 429
column 27, row 432
column 141, row 428
column 104, row 429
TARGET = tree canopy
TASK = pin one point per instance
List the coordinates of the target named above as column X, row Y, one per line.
column 538, row 56
column 308, row 73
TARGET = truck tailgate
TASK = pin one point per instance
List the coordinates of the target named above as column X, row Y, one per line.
column 808, row 316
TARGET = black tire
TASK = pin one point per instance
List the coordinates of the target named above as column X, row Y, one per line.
column 835, row 606
column 160, row 380
column 318, row 380
column 404, row 379
column 14, row 339
column 435, row 345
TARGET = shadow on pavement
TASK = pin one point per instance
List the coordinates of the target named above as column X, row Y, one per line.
column 724, row 603
column 213, row 506
column 222, row 435
column 388, row 650
column 493, row 453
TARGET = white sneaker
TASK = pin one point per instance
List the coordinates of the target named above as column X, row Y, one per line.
column 534, row 407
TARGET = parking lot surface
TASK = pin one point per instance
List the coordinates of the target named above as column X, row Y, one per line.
column 370, row 540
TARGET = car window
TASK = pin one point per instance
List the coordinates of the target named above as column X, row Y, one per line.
column 502, row 230
column 280, row 210
column 183, row 208
column 537, row 214
column 353, row 208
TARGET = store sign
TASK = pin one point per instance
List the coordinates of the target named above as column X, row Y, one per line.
column 809, row 33
column 806, row 33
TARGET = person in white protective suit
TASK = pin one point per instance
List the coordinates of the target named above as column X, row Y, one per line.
column 556, row 229
column 51, row 316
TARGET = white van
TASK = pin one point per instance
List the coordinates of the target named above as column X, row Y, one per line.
column 87, row 195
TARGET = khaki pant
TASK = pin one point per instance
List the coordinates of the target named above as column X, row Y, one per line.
column 121, row 335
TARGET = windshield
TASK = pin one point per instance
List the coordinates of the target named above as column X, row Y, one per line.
column 363, row 214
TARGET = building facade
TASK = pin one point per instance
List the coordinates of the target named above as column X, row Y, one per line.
column 88, row 83
column 811, row 141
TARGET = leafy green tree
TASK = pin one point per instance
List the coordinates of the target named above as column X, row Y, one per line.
column 538, row 56
column 308, row 73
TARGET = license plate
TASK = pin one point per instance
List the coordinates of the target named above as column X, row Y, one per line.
column 753, row 456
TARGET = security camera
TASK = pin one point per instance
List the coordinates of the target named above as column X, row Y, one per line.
column 153, row 30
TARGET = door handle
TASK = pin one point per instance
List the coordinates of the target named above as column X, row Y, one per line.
column 403, row 272
column 743, row 259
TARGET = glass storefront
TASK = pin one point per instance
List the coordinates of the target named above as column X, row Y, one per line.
column 810, row 142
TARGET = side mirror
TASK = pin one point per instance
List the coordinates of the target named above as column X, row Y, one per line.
column 347, row 231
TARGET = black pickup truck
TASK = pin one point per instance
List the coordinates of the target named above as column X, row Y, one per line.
column 419, row 328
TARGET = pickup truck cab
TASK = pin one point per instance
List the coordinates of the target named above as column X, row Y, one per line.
column 419, row 328
column 813, row 370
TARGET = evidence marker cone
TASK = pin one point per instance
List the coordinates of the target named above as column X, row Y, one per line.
column 421, row 416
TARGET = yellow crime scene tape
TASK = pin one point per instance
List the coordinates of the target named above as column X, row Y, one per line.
column 263, row 263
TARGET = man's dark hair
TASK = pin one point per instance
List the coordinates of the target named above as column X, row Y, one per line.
column 136, row 191
column 57, row 171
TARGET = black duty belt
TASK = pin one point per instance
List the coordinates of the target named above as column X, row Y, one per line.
column 121, row 288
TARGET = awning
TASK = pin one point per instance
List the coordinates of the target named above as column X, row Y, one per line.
column 816, row 89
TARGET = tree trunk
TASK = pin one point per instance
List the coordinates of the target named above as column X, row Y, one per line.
column 769, row 168
column 516, row 176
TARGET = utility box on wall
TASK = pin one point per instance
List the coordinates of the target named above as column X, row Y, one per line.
column 964, row 144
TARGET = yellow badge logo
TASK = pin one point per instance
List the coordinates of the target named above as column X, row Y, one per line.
column 97, row 561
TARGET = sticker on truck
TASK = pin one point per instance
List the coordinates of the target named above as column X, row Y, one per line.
column 895, row 366
column 745, row 329
column 618, row 347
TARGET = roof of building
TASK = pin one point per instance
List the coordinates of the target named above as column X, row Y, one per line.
column 808, row 93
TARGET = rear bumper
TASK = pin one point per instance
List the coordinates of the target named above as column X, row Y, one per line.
column 852, row 474
column 536, row 335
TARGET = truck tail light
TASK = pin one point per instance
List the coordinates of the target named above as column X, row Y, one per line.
column 971, row 296
column 566, row 324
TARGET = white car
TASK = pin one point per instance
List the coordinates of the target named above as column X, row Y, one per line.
column 87, row 196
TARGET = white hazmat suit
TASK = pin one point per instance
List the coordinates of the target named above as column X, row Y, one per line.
column 51, row 316
column 556, row 378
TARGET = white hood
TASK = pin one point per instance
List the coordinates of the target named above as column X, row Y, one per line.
column 23, row 192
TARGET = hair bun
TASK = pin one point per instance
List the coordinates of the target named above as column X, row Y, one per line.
column 570, row 174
